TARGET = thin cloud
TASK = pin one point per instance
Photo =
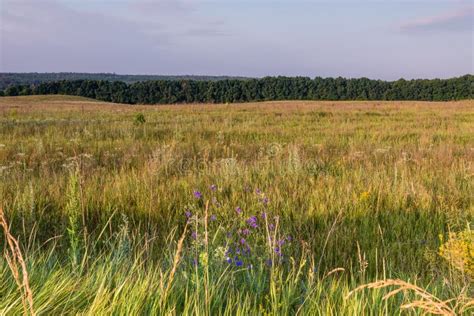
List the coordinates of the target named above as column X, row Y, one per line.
column 163, row 6
column 182, row 18
column 461, row 20
column 205, row 32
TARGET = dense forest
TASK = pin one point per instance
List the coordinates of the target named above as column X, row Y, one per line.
column 14, row 79
column 265, row 89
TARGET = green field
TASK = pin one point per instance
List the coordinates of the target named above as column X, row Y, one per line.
column 99, row 195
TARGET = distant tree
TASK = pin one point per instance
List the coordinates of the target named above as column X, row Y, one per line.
column 25, row 90
column 12, row 91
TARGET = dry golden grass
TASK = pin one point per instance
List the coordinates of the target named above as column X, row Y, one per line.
column 17, row 265
column 56, row 103
column 425, row 301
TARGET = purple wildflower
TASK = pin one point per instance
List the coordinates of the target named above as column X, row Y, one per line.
column 239, row 263
column 245, row 231
column 213, row 187
column 265, row 201
column 242, row 241
column 271, row 226
column 268, row 262
column 197, row 194
column 194, row 235
column 281, row 242
column 238, row 210
column 188, row 214
column 247, row 250
column 264, row 215
column 213, row 217
column 278, row 251
column 258, row 191
column 228, row 260
column 252, row 222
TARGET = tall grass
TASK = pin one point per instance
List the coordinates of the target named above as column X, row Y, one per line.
column 364, row 190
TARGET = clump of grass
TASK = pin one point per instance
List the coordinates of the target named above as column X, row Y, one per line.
column 176, row 260
column 73, row 210
column 139, row 119
column 17, row 265
column 424, row 301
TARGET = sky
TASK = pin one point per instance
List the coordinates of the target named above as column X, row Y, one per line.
column 378, row 39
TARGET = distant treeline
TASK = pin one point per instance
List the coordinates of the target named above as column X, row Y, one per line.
column 14, row 79
column 265, row 89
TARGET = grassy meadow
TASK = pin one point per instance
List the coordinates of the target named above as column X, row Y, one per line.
column 274, row 208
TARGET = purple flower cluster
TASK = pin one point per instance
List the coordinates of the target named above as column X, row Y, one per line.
column 245, row 231
column 252, row 221
column 236, row 255
column 247, row 237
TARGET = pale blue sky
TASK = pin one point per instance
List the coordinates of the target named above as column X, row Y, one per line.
column 375, row 39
